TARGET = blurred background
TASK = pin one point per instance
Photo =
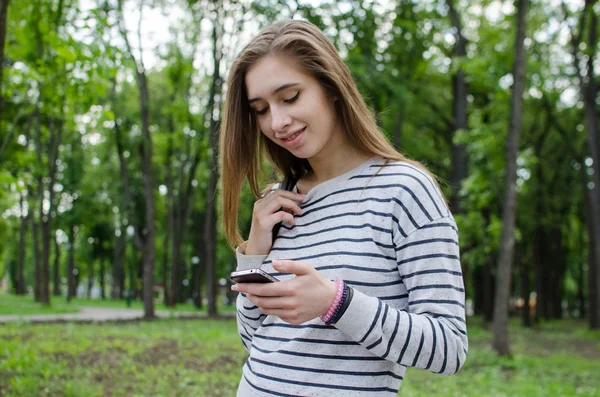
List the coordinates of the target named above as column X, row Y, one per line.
column 109, row 119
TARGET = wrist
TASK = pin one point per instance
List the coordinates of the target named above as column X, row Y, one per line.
column 335, row 303
column 250, row 249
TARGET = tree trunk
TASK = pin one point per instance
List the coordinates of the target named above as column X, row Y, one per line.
column 71, row 288
column 210, row 231
column 200, row 252
column 56, row 272
column 398, row 128
column 3, row 18
column 488, row 291
column 459, row 101
column 20, row 288
column 173, row 290
column 165, row 269
column 149, row 247
column 500, row 325
column 588, row 90
column 538, row 264
column 121, row 246
column 589, row 93
column 524, row 283
column 119, row 255
column 210, row 223
column 149, row 250
column 36, row 254
column 102, row 284
column 91, row 277
column 580, row 279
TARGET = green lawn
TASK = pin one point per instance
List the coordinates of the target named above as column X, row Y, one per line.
column 13, row 304
column 204, row 358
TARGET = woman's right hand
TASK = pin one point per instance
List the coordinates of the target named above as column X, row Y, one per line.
column 277, row 206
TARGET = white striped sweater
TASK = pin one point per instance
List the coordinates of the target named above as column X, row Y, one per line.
column 389, row 234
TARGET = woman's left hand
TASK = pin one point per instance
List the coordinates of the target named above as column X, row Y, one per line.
column 295, row 301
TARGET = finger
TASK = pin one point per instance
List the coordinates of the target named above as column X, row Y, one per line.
column 279, row 216
column 272, row 303
column 263, row 290
column 282, row 202
column 289, row 316
column 291, row 195
column 293, row 267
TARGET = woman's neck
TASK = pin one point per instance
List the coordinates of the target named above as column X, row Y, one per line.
column 333, row 163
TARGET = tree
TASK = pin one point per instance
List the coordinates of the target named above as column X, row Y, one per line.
column 500, row 325
column 146, row 152
column 210, row 220
column 3, row 15
column 588, row 92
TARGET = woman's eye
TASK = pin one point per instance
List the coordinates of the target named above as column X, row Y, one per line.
column 262, row 111
column 292, row 99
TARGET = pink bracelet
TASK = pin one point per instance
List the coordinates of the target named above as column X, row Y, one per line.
column 336, row 301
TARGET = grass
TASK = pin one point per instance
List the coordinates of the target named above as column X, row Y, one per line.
column 204, row 358
column 24, row 305
column 13, row 304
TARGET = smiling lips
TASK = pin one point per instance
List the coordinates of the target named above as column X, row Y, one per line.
column 294, row 138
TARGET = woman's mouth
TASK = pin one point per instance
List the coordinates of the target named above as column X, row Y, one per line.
column 294, row 139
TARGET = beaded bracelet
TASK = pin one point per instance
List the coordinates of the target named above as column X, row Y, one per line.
column 336, row 313
column 336, row 301
column 344, row 305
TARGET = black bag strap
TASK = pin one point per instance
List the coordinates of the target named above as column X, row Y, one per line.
column 288, row 184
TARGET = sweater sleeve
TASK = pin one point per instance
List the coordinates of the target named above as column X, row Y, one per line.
column 249, row 316
column 431, row 333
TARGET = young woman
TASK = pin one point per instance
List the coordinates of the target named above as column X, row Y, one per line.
column 367, row 253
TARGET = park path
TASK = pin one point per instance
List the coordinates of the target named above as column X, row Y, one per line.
column 99, row 314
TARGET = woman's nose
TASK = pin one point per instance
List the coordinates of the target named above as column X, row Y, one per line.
column 280, row 119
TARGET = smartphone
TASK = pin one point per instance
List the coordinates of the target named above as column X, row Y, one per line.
column 252, row 276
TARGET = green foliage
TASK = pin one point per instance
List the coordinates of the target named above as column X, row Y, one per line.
column 72, row 68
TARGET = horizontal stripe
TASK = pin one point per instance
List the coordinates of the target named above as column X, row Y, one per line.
column 269, row 392
column 333, row 229
column 338, row 240
column 436, row 286
column 349, row 267
column 306, row 340
column 403, row 296
column 435, row 225
column 301, row 326
column 428, row 241
column 432, row 271
column 341, row 203
column 326, row 371
column 366, row 284
column 340, row 215
column 321, row 385
column 319, row 356
column 428, row 256
column 436, row 301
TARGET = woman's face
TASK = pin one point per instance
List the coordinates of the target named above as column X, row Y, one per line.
column 292, row 108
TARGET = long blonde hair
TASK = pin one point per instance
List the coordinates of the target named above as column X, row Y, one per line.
column 243, row 146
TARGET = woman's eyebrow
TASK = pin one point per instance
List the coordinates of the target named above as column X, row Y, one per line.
column 275, row 91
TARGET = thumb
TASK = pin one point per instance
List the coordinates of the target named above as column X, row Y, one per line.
column 293, row 267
